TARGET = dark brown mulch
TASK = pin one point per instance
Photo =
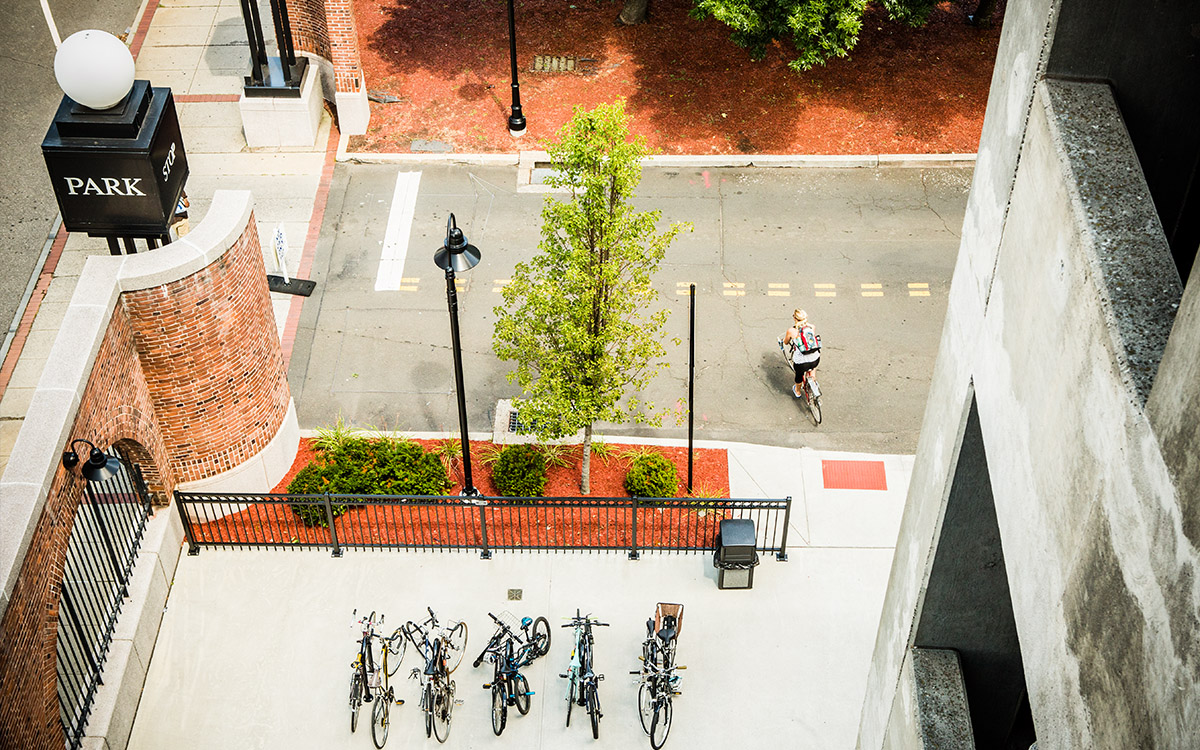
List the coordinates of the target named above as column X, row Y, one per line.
column 689, row 89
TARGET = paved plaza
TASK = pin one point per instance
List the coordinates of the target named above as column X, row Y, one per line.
column 255, row 646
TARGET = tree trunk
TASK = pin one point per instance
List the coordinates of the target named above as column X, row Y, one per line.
column 634, row 12
column 586, row 466
column 983, row 13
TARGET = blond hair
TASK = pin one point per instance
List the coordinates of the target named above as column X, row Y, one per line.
column 800, row 316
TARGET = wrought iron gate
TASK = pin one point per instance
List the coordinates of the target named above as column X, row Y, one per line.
column 102, row 549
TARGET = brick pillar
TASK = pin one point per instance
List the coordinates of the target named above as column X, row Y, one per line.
column 354, row 113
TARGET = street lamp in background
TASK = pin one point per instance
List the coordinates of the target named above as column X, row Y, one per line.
column 516, row 120
column 456, row 254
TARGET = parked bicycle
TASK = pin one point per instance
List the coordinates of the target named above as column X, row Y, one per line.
column 442, row 649
column 659, row 683
column 365, row 677
column 509, row 650
column 582, row 680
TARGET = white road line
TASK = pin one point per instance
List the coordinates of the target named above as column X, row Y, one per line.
column 399, row 228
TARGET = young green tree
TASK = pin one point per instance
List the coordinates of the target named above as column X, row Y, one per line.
column 579, row 319
column 820, row 29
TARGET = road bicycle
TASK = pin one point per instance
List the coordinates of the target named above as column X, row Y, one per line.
column 658, row 681
column 582, row 680
column 365, row 677
column 809, row 388
column 509, row 650
column 391, row 646
column 442, row 649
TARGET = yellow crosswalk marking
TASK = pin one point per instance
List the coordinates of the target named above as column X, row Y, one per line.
column 824, row 286
column 683, row 287
column 499, row 284
column 734, row 289
column 918, row 293
column 918, row 286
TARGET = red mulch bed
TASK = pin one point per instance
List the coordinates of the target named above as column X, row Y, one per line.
column 690, row 90
column 508, row 524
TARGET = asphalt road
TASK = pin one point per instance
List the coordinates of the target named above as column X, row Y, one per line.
column 765, row 241
column 30, row 95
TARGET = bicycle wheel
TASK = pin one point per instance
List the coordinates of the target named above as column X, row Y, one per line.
column 661, row 723
column 593, row 707
column 646, row 706
column 499, row 707
column 521, row 693
column 570, row 697
column 355, row 698
column 815, row 408
column 443, row 705
column 541, row 637
column 456, row 639
column 427, row 706
column 395, row 646
column 379, row 719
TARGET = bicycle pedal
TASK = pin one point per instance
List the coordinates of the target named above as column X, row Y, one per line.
column 399, row 701
column 487, row 686
column 458, row 701
column 564, row 676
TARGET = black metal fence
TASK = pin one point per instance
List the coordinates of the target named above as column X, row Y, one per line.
column 336, row 522
column 101, row 553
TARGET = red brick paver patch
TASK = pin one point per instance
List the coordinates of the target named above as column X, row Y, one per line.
column 854, row 475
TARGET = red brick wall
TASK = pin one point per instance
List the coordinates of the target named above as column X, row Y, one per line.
column 210, row 352
column 343, row 40
column 190, row 382
column 116, row 406
column 308, row 27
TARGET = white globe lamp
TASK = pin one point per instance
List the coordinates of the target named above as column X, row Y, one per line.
column 94, row 68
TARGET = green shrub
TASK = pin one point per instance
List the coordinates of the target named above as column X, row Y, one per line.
column 651, row 475
column 520, row 471
column 355, row 465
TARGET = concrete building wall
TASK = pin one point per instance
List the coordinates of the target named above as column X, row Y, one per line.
column 1060, row 310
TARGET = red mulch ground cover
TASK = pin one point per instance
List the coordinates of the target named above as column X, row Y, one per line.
column 509, row 525
column 689, row 89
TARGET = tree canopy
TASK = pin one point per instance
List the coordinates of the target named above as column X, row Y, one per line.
column 819, row 29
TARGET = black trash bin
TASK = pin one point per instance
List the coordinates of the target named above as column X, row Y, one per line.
column 735, row 556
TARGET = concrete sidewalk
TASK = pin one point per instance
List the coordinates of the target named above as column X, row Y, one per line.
column 255, row 647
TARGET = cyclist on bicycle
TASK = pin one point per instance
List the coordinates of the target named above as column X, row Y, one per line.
column 806, row 348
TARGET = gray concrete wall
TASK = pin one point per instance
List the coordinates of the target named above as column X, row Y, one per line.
column 1061, row 305
column 1020, row 60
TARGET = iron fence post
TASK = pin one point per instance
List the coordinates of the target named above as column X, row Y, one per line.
column 781, row 555
column 337, row 548
column 193, row 548
column 633, row 542
column 485, row 553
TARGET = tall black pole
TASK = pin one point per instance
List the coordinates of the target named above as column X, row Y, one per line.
column 452, row 299
column 691, row 374
column 516, row 120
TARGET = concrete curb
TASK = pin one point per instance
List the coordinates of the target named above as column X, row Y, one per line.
column 713, row 161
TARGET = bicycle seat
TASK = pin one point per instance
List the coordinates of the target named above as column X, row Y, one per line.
column 667, row 634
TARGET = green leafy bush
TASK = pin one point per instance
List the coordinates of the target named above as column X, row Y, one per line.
column 651, row 475
column 355, row 465
column 520, row 471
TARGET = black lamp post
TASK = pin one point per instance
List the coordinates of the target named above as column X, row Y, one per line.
column 516, row 120
column 97, row 468
column 456, row 254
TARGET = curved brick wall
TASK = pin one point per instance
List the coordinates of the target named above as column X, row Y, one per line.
column 210, row 355
column 174, row 357
column 309, row 32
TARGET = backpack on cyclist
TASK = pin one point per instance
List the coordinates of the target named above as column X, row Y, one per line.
column 808, row 342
